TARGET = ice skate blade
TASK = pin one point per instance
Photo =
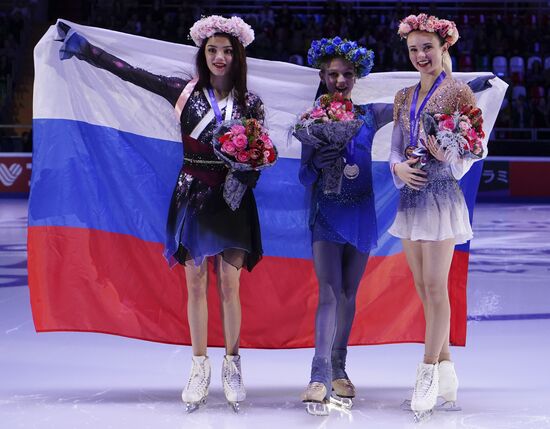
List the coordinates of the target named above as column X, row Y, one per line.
column 319, row 409
column 194, row 406
column 235, row 406
column 441, row 406
column 422, row 416
column 406, row 405
column 448, row 406
column 339, row 401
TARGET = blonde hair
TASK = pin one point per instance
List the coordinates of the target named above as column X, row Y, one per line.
column 447, row 63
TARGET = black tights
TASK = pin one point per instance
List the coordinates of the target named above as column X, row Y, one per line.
column 339, row 268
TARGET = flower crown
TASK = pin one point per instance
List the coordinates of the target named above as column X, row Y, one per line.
column 207, row 26
column 362, row 58
column 422, row 22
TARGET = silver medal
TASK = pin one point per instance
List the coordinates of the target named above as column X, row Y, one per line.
column 351, row 171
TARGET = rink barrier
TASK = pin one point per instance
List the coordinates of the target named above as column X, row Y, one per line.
column 502, row 177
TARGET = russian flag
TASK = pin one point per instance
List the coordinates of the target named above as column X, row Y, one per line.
column 106, row 157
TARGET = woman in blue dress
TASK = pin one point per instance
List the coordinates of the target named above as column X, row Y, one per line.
column 343, row 225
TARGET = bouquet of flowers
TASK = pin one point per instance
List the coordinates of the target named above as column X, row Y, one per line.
column 331, row 121
column 244, row 145
column 459, row 133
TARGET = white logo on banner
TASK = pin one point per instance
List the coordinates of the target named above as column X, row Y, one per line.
column 9, row 175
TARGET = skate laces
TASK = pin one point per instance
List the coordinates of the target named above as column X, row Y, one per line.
column 232, row 374
column 315, row 386
column 424, row 382
column 198, row 380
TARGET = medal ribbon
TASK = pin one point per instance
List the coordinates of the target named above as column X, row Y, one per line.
column 350, row 155
column 414, row 116
column 350, row 158
column 215, row 106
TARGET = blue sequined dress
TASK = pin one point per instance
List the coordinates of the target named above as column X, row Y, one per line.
column 350, row 216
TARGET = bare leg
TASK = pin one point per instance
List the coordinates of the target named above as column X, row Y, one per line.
column 430, row 263
column 436, row 263
column 228, row 288
column 445, row 353
column 413, row 253
column 197, row 307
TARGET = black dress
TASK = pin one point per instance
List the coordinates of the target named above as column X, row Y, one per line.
column 199, row 223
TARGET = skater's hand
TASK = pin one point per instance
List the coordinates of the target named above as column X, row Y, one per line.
column 414, row 178
column 435, row 148
column 324, row 157
column 248, row 178
column 73, row 43
column 62, row 30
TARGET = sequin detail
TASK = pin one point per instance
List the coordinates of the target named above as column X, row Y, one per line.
column 438, row 211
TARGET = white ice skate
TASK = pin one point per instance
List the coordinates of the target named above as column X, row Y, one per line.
column 232, row 381
column 195, row 393
column 424, row 397
column 448, row 387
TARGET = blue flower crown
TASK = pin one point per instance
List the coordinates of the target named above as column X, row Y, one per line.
column 362, row 58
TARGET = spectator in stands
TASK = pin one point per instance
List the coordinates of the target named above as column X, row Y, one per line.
column 538, row 108
column 266, row 16
column 133, row 25
column 534, row 76
column 521, row 113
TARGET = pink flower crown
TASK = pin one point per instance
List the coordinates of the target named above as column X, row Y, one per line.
column 422, row 22
column 206, row 27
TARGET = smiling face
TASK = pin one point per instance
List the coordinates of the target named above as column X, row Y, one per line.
column 219, row 55
column 338, row 75
column 426, row 52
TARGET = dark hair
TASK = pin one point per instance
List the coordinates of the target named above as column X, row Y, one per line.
column 238, row 67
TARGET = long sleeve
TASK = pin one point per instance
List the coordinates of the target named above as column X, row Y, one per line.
column 397, row 153
column 167, row 87
column 480, row 83
column 397, row 148
column 383, row 114
column 308, row 175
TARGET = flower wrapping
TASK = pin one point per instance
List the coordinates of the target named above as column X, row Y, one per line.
column 330, row 122
column 244, row 145
column 460, row 133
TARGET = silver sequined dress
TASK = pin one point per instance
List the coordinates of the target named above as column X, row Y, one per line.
column 438, row 211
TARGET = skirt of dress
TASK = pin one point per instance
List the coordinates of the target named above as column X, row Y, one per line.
column 194, row 234
column 436, row 212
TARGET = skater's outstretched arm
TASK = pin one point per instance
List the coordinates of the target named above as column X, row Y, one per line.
column 383, row 114
column 78, row 46
column 481, row 83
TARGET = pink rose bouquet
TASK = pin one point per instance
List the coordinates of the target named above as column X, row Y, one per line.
column 244, row 145
column 460, row 133
column 331, row 121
